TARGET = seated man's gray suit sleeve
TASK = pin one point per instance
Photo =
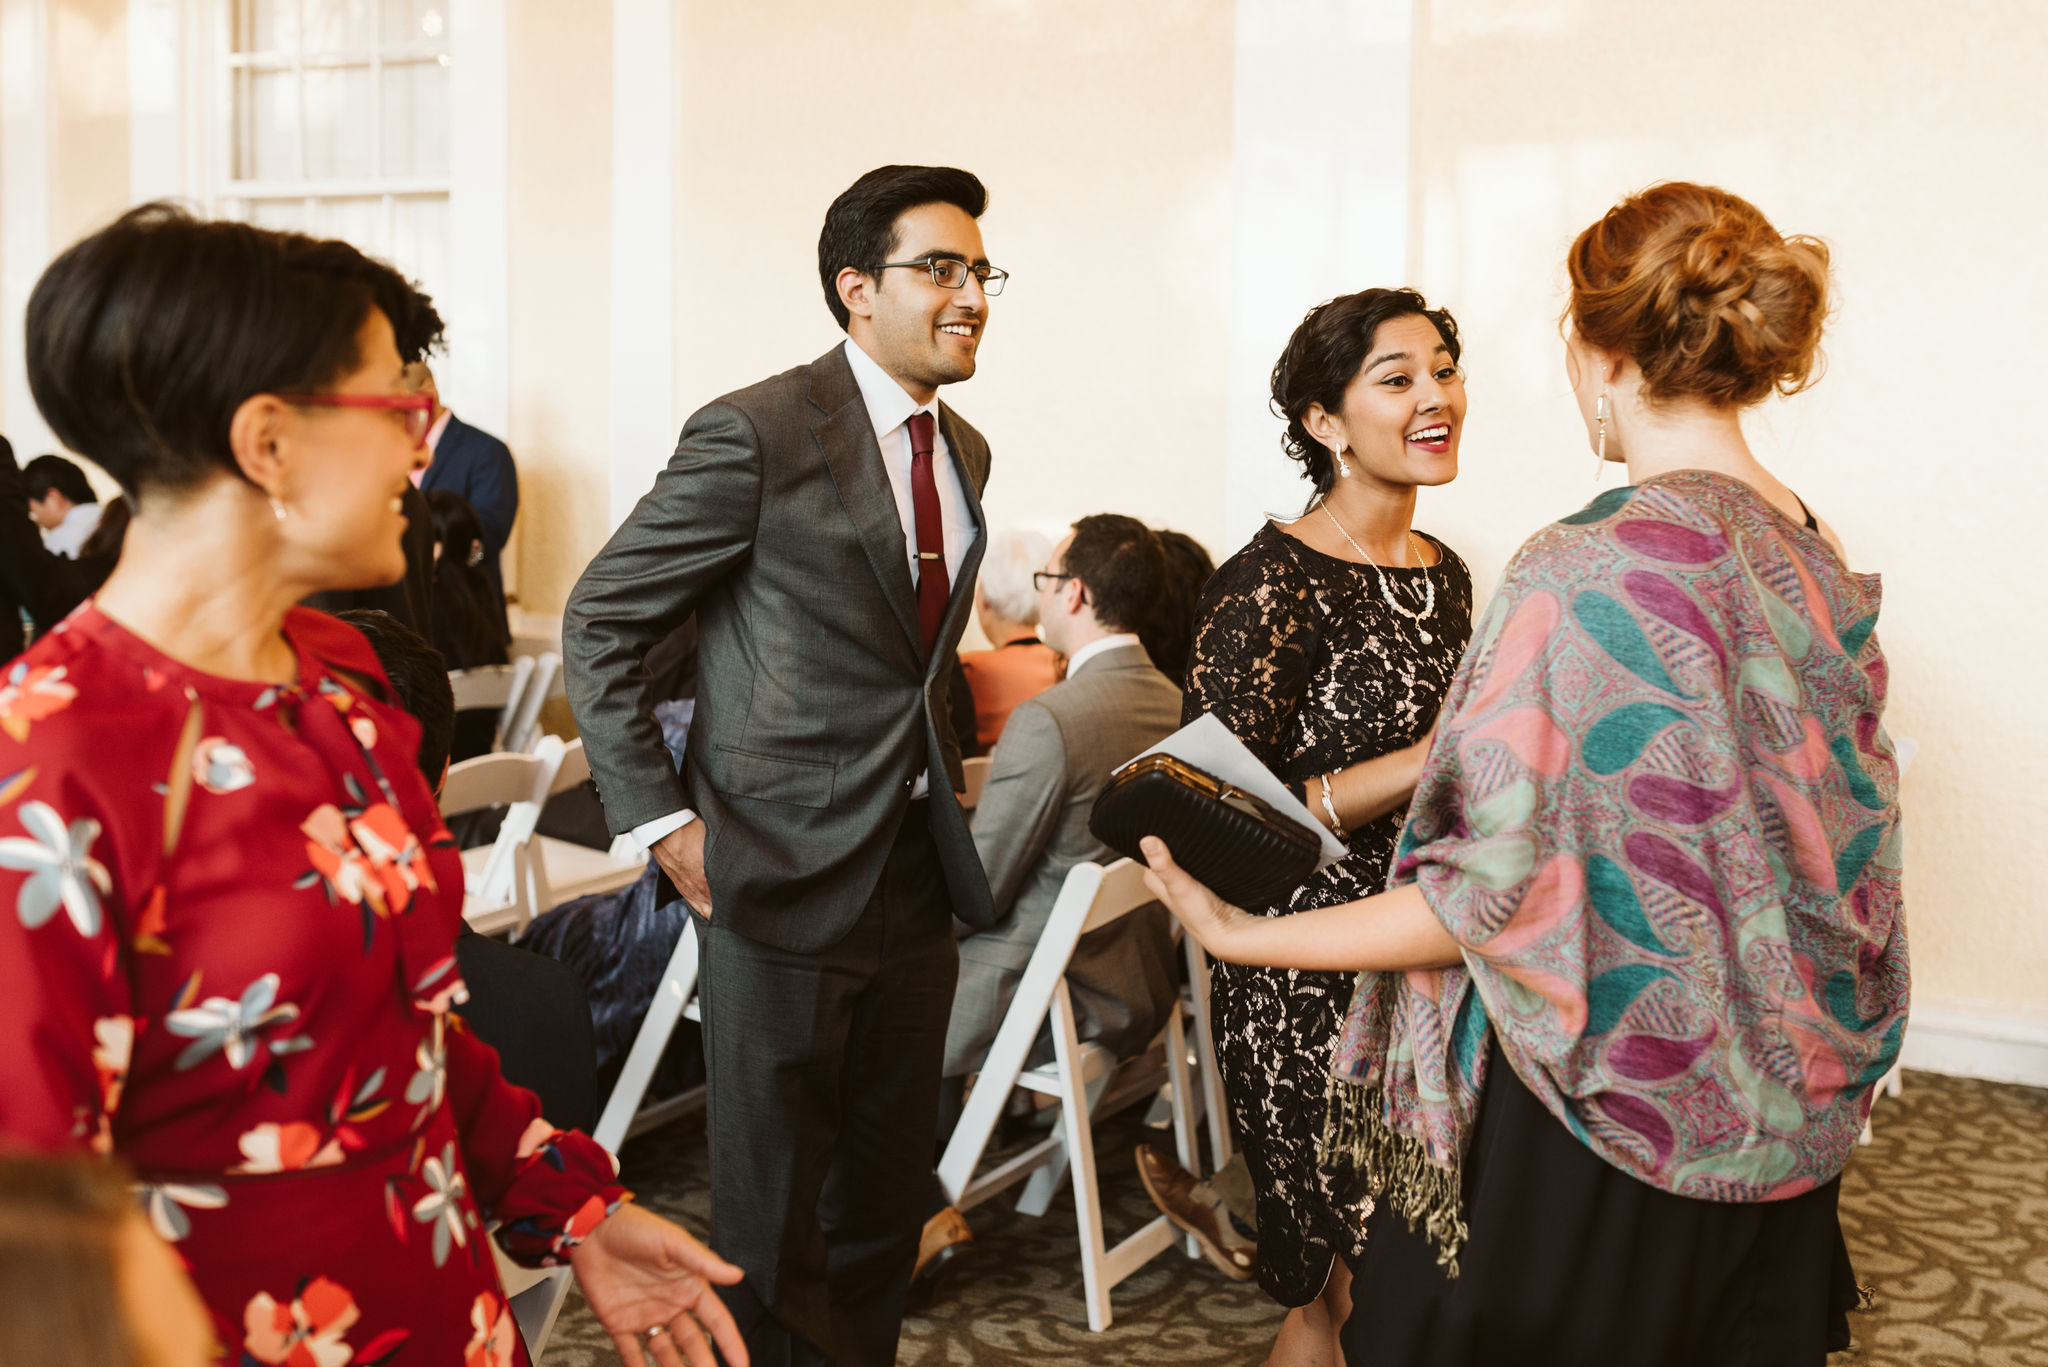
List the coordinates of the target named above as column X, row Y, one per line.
column 688, row 531
column 1019, row 807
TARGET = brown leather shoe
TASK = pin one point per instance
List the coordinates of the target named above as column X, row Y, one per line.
column 1196, row 1210
column 946, row 1237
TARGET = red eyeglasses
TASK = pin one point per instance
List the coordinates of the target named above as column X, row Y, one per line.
column 417, row 409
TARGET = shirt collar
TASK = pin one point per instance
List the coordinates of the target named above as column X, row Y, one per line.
column 889, row 406
column 440, row 426
column 1101, row 647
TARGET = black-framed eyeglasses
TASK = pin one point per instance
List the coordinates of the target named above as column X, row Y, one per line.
column 950, row 273
column 1044, row 579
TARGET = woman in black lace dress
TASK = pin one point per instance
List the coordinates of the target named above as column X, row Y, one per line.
column 1326, row 646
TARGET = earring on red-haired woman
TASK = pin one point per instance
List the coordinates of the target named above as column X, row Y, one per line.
column 1600, row 450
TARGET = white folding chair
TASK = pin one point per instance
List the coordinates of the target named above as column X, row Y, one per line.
column 536, row 1298
column 499, row 892
column 977, row 778
column 524, row 731
column 564, row 870
column 495, row 686
column 1078, row 1077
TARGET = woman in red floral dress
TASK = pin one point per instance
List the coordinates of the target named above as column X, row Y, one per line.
column 227, row 904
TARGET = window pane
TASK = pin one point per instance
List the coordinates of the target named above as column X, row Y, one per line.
column 266, row 25
column 416, row 120
column 415, row 21
column 338, row 135
column 285, row 215
column 266, row 125
column 334, row 25
column 356, row 220
column 419, row 241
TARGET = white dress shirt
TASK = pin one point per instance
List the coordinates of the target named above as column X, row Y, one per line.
column 1099, row 647
column 68, row 537
column 889, row 408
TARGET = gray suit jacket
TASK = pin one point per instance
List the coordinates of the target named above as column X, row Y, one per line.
column 816, row 706
column 1031, row 826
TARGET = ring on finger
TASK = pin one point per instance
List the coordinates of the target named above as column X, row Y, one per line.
column 656, row 1332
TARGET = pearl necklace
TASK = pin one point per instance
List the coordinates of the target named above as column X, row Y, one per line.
column 1386, row 590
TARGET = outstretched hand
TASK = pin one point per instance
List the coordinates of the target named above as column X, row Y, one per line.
column 640, row 1273
column 1211, row 920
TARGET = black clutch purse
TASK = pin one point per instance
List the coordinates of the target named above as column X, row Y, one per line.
column 1246, row 852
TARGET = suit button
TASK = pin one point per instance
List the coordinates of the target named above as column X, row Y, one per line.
column 910, row 783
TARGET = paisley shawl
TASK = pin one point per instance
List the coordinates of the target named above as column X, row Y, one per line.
column 1661, row 819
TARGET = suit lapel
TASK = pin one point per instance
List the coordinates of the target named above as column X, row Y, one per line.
column 961, row 599
column 846, row 436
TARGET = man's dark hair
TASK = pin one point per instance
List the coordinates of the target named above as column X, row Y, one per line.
column 419, row 679
column 45, row 473
column 860, row 227
column 144, row 338
column 1121, row 565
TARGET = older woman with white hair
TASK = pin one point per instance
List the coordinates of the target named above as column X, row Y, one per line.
column 1018, row 666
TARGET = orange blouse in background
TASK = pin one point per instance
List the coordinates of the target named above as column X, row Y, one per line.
column 1001, row 678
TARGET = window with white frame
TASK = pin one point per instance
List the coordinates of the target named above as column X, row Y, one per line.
column 337, row 124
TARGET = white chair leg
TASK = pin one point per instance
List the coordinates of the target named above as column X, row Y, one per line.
column 1213, row 1102
column 1076, row 1103
column 1044, row 1187
column 535, row 1310
column 1183, row 1105
column 678, row 985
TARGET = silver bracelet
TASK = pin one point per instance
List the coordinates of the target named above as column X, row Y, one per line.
column 1330, row 807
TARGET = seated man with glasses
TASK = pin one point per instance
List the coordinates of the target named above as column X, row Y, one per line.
column 1031, row 826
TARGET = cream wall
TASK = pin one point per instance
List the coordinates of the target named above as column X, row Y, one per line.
column 1103, row 134
column 558, row 262
column 1888, row 129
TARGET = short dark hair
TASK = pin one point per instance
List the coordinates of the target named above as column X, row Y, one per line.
column 145, row 337
column 1323, row 357
column 1121, row 565
column 1169, row 629
column 419, row 677
column 860, row 227
column 45, row 473
column 417, row 327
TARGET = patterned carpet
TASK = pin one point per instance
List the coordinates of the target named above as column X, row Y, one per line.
column 1946, row 1214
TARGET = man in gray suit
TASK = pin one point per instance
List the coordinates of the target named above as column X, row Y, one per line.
column 1031, row 826
column 825, row 527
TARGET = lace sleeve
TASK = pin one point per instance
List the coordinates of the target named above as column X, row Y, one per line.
column 1255, row 639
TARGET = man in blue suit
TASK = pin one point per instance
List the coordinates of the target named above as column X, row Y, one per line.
column 476, row 465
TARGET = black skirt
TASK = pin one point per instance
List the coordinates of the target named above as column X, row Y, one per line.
column 1572, row 1261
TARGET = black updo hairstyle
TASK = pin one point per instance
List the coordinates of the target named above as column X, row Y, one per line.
column 1324, row 356
column 144, row 338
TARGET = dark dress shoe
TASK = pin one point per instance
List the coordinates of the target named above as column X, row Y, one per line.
column 1196, row 1209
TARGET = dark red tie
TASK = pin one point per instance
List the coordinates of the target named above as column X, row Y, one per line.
column 932, row 587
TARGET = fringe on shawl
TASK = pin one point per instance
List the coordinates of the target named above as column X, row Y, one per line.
column 1398, row 1169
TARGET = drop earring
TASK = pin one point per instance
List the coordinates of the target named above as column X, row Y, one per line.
column 277, row 507
column 1600, row 411
column 1343, row 470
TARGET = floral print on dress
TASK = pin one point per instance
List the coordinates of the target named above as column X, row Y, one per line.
column 62, row 872
column 165, row 1203
column 444, row 1208
column 311, row 1330
column 31, row 694
column 234, row 1027
column 496, row 1332
column 164, row 932
column 221, row 767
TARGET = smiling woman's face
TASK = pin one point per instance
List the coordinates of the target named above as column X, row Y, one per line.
column 345, row 473
column 1405, row 409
